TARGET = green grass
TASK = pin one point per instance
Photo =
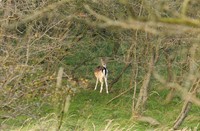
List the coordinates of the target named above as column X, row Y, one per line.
column 89, row 111
column 91, row 108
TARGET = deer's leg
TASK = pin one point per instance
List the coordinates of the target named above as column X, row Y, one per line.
column 105, row 78
column 101, row 80
column 96, row 84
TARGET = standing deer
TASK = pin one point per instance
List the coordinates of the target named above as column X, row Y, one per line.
column 101, row 73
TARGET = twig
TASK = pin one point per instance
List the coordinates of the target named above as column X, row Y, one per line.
column 149, row 120
column 119, row 95
column 107, row 126
column 119, row 76
column 81, row 64
column 35, row 15
column 184, row 94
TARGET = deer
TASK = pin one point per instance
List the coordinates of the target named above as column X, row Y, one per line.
column 101, row 74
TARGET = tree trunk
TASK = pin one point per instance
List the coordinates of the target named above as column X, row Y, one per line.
column 143, row 95
column 170, row 95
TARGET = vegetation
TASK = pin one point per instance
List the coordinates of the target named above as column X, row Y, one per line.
column 49, row 49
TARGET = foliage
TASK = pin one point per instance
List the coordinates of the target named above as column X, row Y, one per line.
column 158, row 42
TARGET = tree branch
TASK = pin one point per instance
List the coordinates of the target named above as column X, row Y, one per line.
column 37, row 14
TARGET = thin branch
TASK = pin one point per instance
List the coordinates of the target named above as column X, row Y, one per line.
column 185, row 95
column 131, row 24
column 174, row 25
column 37, row 14
column 119, row 95
column 120, row 74
column 149, row 120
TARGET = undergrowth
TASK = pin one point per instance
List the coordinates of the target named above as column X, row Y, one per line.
column 90, row 110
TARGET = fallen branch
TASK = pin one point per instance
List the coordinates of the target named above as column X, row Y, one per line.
column 119, row 95
column 182, row 115
column 148, row 119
